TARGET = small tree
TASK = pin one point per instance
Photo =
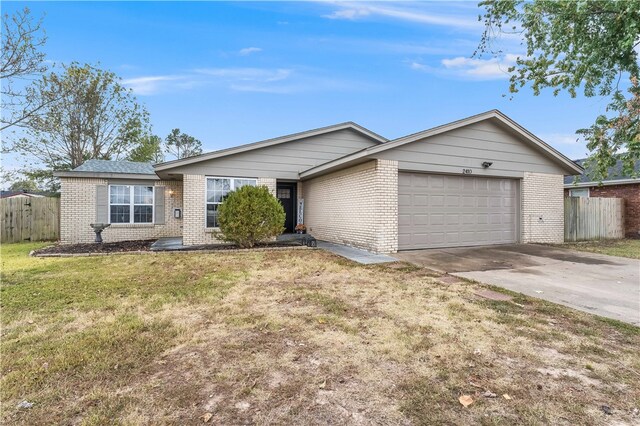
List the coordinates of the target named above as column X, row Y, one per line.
column 250, row 215
column 182, row 145
column 149, row 150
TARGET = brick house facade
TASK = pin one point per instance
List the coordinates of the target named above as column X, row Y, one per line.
column 343, row 179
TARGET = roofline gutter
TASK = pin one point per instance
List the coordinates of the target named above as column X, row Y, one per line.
column 603, row 183
column 106, row 175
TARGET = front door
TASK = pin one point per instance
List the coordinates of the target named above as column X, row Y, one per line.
column 286, row 194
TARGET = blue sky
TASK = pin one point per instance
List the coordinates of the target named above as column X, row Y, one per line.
column 231, row 73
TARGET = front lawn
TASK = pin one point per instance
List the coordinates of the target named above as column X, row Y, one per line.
column 295, row 337
column 623, row 248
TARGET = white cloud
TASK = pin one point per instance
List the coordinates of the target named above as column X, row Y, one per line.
column 150, row 85
column 128, row 67
column 249, row 50
column 570, row 144
column 480, row 69
column 261, row 80
column 418, row 13
column 562, row 138
column 378, row 46
column 418, row 66
column 247, row 74
column 348, row 14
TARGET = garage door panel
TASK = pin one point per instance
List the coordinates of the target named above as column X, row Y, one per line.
column 420, row 219
column 468, row 219
column 420, row 200
column 452, row 237
column 436, row 238
column 453, row 182
column 436, row 219
column 436, row 201
column 404, row 179
column 452, row 201
column 452, row 219
column 404, row 200
column 449, row 211
column 435, row 181
column 404, row 219
column 468, row 201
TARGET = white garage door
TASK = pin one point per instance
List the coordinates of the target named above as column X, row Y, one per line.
column 449, row 211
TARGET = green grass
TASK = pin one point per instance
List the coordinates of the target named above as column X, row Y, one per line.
column 622, row 248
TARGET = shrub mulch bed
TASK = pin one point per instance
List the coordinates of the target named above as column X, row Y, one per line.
column 119, row 247
column 139, row 246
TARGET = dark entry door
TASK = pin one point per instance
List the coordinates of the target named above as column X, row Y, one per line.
column 286, row 193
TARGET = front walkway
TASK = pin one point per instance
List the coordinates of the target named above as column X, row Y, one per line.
column 355, row 254
column 351, row 253
column 168, row 244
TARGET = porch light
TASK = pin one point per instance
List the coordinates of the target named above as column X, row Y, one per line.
column 486, row 164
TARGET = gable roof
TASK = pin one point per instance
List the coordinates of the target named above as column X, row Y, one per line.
column 615, row 176
column 270, row 142
column 570, row 166
column 109, row 168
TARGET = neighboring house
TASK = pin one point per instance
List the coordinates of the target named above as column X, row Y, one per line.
column 477, row 181
column 616, row 185
column 23, row 193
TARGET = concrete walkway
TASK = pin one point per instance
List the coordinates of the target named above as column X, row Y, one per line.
column 351, row 253
column 603, row 285
column 168, row 244
column 355, row 254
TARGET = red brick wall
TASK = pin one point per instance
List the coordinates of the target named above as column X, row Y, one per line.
column 631, row 195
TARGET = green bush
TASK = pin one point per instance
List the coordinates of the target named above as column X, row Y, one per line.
column 250, row 215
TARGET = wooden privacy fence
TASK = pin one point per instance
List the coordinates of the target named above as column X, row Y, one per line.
column 593, row 218
column 30, row 219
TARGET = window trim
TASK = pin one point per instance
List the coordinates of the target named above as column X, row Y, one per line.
column 232, row 188
column 132, row 204
column 580, row 189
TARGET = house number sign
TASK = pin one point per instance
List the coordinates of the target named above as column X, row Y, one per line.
column 467, row 171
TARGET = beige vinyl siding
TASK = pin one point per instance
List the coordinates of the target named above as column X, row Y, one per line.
column 467, row 147
column 283, row 161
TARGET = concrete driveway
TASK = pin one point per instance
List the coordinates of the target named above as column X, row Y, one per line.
column 603, row 285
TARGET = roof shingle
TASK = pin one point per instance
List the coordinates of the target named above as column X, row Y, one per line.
column 122, row 166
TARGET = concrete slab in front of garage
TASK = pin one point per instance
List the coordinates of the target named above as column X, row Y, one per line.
column 603, row 285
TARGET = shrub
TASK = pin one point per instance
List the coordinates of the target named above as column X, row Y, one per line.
column 250, row 215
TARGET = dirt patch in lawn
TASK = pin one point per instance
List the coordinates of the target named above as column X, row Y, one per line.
column 296, row 337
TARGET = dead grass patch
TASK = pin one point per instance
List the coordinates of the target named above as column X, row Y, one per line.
column 295, row 337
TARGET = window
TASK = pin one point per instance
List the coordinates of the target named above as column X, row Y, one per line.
column 130, row 204
column 217, row 190
column 580, row 192
column 284, row 193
